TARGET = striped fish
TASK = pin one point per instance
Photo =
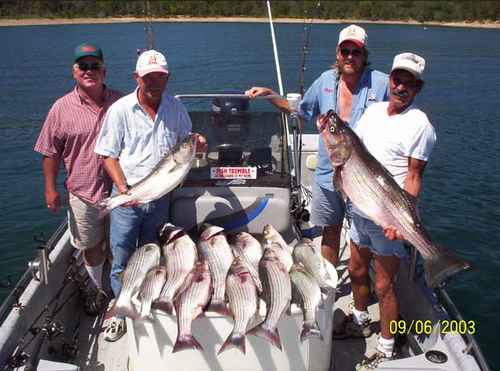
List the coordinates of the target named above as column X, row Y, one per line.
column 214, row 248
column 189, row 305
column 151, row 288
column 274, row 240
column 249, row 249
column 277, row 295
column 143, row 259
column 310, row 257
column 242, row 295
column 307, row 294
column 180, row 255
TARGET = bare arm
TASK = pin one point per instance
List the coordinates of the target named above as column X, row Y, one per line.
column 413, row 181
column 413, row 185
column 115, row 172
column 280, row 103
column 50, row 168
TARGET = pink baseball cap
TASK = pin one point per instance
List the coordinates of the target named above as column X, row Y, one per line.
column 151, row 61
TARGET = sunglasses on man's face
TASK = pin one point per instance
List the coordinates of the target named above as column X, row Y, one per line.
column 95, row 66
column 354, row 52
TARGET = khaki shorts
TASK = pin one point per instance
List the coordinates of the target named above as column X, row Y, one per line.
column 86, row 229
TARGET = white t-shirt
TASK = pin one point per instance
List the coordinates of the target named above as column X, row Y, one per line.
column 393, row 139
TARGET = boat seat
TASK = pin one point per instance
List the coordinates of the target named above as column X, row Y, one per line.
column 235, row 209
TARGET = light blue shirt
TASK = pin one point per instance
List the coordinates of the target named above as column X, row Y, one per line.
column 129, row 134
column 322, row 97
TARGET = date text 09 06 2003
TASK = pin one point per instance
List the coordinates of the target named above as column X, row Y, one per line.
column 426, row 327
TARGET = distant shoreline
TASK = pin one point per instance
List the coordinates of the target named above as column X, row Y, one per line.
column 64, row 21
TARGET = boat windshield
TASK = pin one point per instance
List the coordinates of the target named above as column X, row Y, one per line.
column 246, row 149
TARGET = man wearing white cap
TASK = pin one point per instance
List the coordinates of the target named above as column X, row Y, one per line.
column 401, row 138
column 347, row 88
column 138, row 130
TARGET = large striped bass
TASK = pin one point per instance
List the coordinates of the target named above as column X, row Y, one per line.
column 189, row 305
column 143, row 259
column 166, row 175
column 373, row 190
column 214, row 248
column 277, row 295
column 272, row 239
column 180, row 254
column 242, row 296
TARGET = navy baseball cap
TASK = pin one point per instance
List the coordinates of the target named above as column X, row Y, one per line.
column 88, row 50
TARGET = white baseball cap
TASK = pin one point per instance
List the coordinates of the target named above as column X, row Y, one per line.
column 355, row 34
column 151, row 61
column 409, row 62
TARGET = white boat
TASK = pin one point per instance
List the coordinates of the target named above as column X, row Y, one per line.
column 43, row 326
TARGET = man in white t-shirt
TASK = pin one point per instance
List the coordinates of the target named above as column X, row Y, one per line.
column 401, row 138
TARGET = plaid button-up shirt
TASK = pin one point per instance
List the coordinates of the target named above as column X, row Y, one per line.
column 69, row 133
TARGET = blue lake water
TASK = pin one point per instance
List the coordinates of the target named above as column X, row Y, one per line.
column 460, row 203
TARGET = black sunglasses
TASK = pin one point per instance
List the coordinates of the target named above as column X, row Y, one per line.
column 354, row 52
column 95, row 66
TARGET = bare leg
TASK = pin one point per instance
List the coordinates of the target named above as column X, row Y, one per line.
column 358, row 271
column 386, row 268
column 330, row 243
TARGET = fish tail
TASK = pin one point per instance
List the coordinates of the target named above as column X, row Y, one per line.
column 443, row 266
column 219, row 307
column 234, row 341
column 104, row 207
column 310, row 330
column 125, row 308
column 271, row 335
column 186, row 342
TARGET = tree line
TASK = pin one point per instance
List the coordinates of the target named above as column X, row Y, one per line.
column 422, row 11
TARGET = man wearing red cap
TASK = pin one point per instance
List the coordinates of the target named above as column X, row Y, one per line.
column 68, row 135
column 347, row 88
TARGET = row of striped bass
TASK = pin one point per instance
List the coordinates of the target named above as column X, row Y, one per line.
column 140, row 263
column 165, row 177
column 180, row 255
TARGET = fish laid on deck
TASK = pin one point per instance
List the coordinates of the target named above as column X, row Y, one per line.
column 180, row 254
column 310, row 257
column 190, row 304
column 277, row 294
column 214, row 248
column 167, row 175
column 143, row 259
column 151, row 288
column 372, row 189
column 247, row 247
column 242, row 296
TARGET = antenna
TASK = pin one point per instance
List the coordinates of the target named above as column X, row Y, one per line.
column 148, row 26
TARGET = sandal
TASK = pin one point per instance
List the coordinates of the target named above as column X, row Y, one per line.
column 115, row 329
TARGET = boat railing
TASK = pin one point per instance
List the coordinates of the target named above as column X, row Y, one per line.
column 12, row 299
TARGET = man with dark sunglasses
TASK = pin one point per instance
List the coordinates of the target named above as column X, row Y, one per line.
column 348, row 88
column 68, row 136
